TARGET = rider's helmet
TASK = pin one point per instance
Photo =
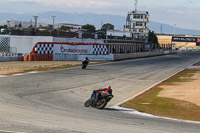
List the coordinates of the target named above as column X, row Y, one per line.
column 86, row 58
column 108, row 87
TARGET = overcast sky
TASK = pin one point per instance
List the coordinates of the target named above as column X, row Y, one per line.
column 183, row 13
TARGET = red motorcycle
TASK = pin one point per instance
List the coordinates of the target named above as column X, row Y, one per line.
column 101, row 102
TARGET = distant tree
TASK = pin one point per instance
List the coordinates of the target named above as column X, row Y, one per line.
column 64, row 28
column 152, row 37
column 4, row 26
column 89, row 28
column 4, row 31
column 107, row 26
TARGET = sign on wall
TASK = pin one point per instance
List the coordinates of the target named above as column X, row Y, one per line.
column 69, row 48
column 184, row 39
column 73, row 49
column 198, row 41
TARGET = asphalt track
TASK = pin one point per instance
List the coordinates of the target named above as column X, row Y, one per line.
column 52, row 102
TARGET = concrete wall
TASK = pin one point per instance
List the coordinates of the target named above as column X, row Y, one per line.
column 110, row 57
column 24, row 44
column 70, row 57
column 138, row 55
column 11, row 58
column 162, row 39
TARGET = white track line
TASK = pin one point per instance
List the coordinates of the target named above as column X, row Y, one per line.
column 117, row 106
column 18, row 74
column 132, row 111
column 10, row 131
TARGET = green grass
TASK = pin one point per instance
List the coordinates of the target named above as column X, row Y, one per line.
column 198, row 48
column 184, row 76
column 149, row 102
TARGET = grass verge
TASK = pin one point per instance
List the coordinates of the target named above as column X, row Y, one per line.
column 149, row 102
column 197, row 64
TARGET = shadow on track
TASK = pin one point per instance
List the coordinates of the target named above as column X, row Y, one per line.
column 112, row 109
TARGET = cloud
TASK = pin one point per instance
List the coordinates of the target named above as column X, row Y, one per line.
column 175, row 11
column 88, row 5
column 183, row 17
column 117, row 7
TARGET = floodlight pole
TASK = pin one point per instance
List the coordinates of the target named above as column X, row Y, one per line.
column 36, row 18
column 53, row 21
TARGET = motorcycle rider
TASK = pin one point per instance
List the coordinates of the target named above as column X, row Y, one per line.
column 98, row 93
column 85, row 61
column 100, row 98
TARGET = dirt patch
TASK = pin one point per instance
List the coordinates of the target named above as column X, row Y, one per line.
column 21, row 66
column 187, row 91
column 177, row 97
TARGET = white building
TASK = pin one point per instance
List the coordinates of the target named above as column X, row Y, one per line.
column 137, row 22
column 118, row 33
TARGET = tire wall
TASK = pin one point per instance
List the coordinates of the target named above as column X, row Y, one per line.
column 38, row 57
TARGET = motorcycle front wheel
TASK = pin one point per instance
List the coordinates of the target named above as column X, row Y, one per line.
column 87, row 103
column 101, row 104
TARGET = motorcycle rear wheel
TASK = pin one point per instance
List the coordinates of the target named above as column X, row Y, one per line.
column 101, row 104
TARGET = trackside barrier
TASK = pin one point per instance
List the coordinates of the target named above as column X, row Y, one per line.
column 38, row 57
column 64, row 51
column 11, row 58
column 49, row 51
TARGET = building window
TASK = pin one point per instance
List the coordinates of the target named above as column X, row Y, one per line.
column 141, row 30
column 138, row 16
column 139, row 23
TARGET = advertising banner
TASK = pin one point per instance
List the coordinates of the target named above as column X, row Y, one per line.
column 198, row 41
column 73, row 49
column 184, row 39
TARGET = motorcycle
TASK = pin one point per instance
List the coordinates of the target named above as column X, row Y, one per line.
column 84, row 64
column 101, row 102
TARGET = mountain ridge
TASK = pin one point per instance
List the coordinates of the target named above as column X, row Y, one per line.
column 91, row 18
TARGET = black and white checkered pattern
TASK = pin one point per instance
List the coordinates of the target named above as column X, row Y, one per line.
column 4, row 44
column 100, row 50
column 44, row 48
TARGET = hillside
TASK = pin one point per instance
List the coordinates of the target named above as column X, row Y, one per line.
column 89, row 18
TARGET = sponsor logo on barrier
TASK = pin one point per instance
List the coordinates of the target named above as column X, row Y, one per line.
column 69, row 50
